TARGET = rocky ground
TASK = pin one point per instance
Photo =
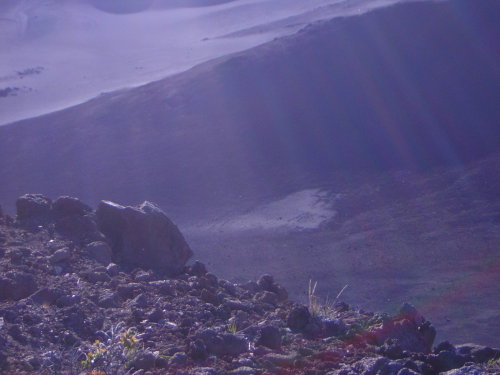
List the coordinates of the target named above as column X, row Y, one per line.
column 89, row 291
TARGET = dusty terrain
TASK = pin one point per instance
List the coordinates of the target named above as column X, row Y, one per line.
column 429, row 239
column 339, row 107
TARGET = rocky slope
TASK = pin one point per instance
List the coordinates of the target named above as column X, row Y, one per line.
column 108, row 291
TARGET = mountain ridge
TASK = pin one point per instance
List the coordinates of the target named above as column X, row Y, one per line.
column 224, row 117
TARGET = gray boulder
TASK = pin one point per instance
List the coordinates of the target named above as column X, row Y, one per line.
column 66, row 206
column 46, row 296
column 270, row 336
column 75, row 220
column 298, row 318
column 477, row 353
column 33, row 209
column 144, row 360
column 223, row 344
column 99, row 251
column 16, row 286
column 60, row 255
column 144, row 237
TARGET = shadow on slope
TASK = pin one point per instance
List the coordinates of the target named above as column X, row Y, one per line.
column 411, row 86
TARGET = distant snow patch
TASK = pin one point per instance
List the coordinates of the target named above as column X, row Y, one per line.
column 302, row 210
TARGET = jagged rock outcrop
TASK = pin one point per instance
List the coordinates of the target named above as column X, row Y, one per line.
column 143, row 236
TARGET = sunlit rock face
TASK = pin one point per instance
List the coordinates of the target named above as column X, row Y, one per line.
column 143, row 236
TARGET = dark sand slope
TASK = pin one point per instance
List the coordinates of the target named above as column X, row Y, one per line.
column 409, row 86
column 413, row 86
column 431, row 239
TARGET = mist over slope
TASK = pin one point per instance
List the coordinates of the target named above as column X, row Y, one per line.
column 410, row 86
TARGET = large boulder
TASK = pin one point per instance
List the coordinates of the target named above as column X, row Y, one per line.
column 67, row 206
column 15, row 286
column 100, row 251
column 143, row 236
column 298, row 318
column 75, row 220
column 33, row 209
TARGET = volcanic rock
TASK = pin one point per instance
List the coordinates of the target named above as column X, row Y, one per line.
column 446, row 360
column 270, row 337
column 333, row 327
column 409, row 329
column 74, row 219
column 477, row 353
column 99, row 251
column 223, row 344
column 67, row 206
column 197, row 269
column 197, row 350
column 46, row 296
column 143, row 236
column 16, row 286
column 144, row 361
column 298, row 318
column 60, row 255
column 33, row 209
column 267, row 283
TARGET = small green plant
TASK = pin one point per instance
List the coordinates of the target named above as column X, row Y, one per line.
column 130, row 342
column 232, row 327
column 94, row 356
column 113, row 356
column 494, row 364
